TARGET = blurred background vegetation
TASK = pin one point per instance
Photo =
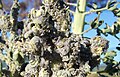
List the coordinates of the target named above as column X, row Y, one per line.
column 26, row 5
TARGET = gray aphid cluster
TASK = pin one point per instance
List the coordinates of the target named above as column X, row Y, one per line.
column 44, row 47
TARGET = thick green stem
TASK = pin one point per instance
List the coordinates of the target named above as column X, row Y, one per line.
column 79, row 17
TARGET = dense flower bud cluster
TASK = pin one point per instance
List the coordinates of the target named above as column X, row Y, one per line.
column 46, row 48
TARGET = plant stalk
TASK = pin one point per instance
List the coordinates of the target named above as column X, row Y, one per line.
column 79, row 17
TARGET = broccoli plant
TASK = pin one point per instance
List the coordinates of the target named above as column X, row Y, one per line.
column 42, row 45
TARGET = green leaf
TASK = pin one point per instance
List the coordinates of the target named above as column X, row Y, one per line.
column 104, row 31
column 95, row 6
column 90, row 6
column 96, row 23
column 117, row 25
column 104, row 59
column 101, row 22
column 112, row 3
column 118, row 14
column 111, row 54
column 116, row 11
column 115, row 62
column 118, row 48
column 110, row 58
